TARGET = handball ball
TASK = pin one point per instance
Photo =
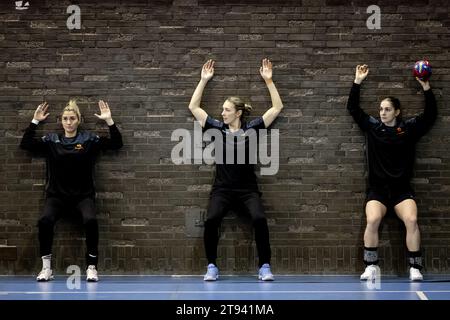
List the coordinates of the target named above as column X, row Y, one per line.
column 422, row 70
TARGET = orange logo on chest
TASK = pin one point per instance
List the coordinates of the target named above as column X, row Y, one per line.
column 78, row 146
column 400, row 131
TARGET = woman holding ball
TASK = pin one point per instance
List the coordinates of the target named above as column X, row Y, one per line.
column 390, row 149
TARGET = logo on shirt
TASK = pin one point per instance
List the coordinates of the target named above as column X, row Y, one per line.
column 79, row 146
column 400, row 131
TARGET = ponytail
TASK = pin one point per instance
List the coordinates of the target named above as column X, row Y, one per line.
column 239, row 104
column 395, row 102
column 72, row 106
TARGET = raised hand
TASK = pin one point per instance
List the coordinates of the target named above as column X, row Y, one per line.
column 208, row 70
column 425, row 84
column 105, row 113
column 361, row 73
column 41, row 112
column 266, row 70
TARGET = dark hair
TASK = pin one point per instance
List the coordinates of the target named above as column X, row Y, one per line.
column 239, row 104
column 395, row 102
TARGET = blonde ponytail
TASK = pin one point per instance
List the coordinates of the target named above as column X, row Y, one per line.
column 72, row 106
column 239, row 104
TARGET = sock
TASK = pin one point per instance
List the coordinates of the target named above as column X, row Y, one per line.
column 415, row 259
column 46, row 261
column 370, row 256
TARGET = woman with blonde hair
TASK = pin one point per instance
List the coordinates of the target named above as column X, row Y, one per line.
column 70, row 177
column 235, row 183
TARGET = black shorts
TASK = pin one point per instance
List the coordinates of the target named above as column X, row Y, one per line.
column 390, row 194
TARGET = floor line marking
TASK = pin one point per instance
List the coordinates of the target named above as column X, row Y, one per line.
column 422, row 295
column 419, row 293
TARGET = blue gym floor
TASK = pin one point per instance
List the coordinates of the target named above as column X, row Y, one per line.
column 435, row 287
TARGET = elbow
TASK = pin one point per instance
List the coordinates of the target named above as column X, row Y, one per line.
column 194, row 104
column 435, row 117
column 23, row 145
column 279, row 107
column 119, row 145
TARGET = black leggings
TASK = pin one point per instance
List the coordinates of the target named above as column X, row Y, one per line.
column 223, row 200
column 54, row 208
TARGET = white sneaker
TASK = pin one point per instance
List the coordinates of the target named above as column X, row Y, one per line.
column 415, row 274
column 212, row 273
column 91, row 274
column 265, row 274
column 46, row 274
column 370, row 272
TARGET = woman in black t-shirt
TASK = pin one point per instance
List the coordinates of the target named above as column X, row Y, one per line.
column 70, row 177
column 235, row 182
column 390, row 154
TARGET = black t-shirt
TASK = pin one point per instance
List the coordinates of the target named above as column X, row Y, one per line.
column 70, row 161
column 391, row 150
column 235, row 168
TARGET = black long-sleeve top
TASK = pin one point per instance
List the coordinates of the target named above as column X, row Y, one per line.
column 70, row 161
column 235, row 175
column 390, row 151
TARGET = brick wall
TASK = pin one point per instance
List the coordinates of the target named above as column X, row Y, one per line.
column 144, row 58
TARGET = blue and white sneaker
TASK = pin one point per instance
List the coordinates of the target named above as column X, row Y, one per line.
column 415, row 274
column 46, row 274
column 264, row 273
column 370, row 272
column 91, row 274
column 212, row 273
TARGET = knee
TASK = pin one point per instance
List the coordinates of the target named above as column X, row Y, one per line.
column 373, row 221
column 258, row 215
column 212, row 223
column 90, row 222
column 45, row 222
column 259, row 221
column 410, row 221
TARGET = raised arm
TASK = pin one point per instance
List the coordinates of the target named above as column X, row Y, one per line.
column 115, row 139
column 277, row 105
column 360, row 117
column 194, row 106
column 430, row 111
column 29, row 142
column 361, row 73
column 424, row 121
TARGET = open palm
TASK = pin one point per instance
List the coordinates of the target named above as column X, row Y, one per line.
column 208, row 70
column 105, row 113
column 266, row 69
column 41, row 112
